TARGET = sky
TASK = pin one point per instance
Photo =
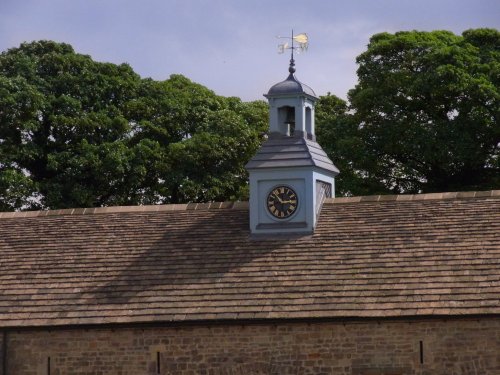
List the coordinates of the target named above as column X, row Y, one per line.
column 231, row 46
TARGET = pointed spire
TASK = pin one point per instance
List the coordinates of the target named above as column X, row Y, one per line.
column 291, row 68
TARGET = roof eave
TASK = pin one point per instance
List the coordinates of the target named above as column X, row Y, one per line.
column 292, row 95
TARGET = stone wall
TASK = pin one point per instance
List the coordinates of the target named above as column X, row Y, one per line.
column 449, row 347
column 2, row 353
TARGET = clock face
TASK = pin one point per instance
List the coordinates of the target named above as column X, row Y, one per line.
column 282, row 202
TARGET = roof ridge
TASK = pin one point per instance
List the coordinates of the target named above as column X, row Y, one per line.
column 243, row 205
column 415, row 197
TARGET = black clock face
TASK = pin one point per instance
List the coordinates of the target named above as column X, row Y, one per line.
column 282, row 202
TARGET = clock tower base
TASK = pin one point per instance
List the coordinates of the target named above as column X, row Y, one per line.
column 267, row 215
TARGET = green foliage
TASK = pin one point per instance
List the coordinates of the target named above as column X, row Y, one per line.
column 75, row 132
column 205, row 140
column 16, row 188
column 424, row 116
column 338, row 134
column 80, row 133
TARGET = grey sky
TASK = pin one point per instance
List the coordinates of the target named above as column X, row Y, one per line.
column 230, row 46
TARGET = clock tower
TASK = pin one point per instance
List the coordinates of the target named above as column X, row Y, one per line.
column 291, row 175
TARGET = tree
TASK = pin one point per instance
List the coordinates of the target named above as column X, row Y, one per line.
column 19, row 102
column 427, row 111
column 62, row 127
column 205, row 139
column 79, row 133
column 338, row 134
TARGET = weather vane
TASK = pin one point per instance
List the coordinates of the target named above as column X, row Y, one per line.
column 302, row 41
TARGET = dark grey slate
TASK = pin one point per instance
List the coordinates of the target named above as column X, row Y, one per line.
column 282, row 151
column 290, row 86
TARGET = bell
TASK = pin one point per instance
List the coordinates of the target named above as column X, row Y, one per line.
column 290, row 120
column 290, row 116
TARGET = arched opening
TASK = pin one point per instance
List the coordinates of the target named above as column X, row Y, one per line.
column 287, row 120
column 309, row 123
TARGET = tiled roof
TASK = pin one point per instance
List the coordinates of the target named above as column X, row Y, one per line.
column 380, row 256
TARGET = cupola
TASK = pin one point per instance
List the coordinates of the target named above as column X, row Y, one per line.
column 290, row 175
column 291, row 107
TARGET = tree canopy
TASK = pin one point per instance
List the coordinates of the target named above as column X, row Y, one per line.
column 424, row 116
column 79, row 133
column 74, row 132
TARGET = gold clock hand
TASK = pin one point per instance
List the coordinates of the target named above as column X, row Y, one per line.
column 278, row 198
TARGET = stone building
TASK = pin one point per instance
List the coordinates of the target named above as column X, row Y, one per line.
column 292, row 282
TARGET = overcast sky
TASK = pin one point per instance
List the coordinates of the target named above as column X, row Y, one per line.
column 231, row 46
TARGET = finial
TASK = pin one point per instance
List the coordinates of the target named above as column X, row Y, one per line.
column 291, row 68
column 302, row 41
